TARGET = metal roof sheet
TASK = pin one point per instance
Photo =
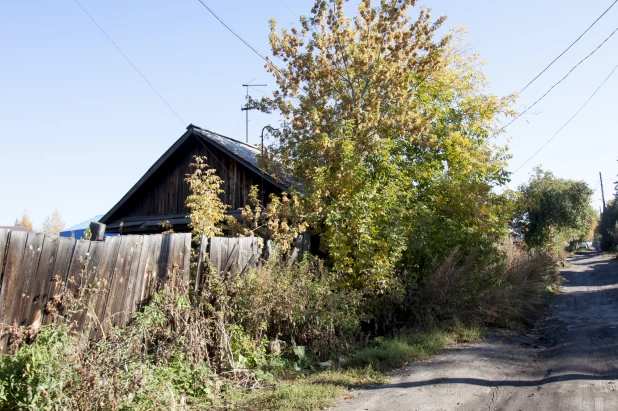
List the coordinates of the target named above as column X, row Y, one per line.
column 247, row 152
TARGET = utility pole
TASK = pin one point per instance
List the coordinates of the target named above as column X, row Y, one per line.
column 602, row 192
column 247, row 108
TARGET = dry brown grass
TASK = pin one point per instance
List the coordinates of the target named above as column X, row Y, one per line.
column 507, row 291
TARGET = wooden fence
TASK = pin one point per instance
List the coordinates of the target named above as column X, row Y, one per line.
column 35, row 268
column 235, row 254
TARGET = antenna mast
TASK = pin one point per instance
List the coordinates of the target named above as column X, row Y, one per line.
column 247, row 108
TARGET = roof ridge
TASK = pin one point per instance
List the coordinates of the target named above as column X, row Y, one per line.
column 222, row 136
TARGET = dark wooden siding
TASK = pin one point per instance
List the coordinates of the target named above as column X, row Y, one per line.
column 165, row 191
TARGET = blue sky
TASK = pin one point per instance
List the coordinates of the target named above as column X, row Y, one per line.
column 78, row 126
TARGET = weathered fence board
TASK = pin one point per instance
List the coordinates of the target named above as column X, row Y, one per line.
column 107, row 265
column 152, row 266
column 108, row 279
column 10, row 280
column 39, row 284
column 4, row 237
column 61, row 270
column 232, row 254
column 88, row 279
column 118, row 288
column 201, row 262
column 32, row 255
column 126, row 303
column 137, row 283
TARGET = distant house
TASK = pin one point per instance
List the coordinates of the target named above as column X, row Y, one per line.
column 14, row 227
column 160, row 194
column 78, row 230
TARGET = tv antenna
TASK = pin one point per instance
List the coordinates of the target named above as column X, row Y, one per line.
column 247, row 108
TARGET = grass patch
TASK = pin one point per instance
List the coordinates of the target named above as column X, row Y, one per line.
column 366, row 367
column 386, row 354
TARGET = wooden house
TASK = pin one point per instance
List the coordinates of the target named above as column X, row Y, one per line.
column 160, row 194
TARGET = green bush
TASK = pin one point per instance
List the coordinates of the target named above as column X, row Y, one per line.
column 41, row 375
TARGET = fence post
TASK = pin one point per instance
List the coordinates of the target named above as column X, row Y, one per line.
column 97, row 230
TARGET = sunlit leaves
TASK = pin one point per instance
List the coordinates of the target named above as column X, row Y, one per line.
column 207, row 209
column 389, row 132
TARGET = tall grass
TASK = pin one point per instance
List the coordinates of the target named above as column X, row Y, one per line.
column 505, row 291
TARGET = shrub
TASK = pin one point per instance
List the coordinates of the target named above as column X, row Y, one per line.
column 297, row 304
column 182, row 349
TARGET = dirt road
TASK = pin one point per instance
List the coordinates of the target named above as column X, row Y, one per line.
column 571, row 365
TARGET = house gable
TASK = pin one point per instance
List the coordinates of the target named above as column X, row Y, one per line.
column 161, row 193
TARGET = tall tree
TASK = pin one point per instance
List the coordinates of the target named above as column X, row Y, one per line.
column 53, row 224
column 24, row 221
column 553, row 210
column 389, row 132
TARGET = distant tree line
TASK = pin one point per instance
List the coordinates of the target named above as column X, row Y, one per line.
column 52, row 224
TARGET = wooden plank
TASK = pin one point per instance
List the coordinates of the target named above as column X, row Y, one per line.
column 164, row 257
column 4, row 241
column 64, row 255
column 136, row 287
column 186, row 259
column 79, row 262
column 30, row 265
column 126, row 303
column 89, row 278
column 10, row 282
column 40, row 283
column 105, row 273
column 115, row 301
column 152, row 267
column 246, row 251
column 215, row 252
column 201, row 263
column 175, row 258
column 76, row 279
column 225, row 254
column 231, row 266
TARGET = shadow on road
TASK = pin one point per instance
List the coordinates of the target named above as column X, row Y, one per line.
column 500, row 383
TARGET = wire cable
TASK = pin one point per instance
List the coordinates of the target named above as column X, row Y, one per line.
column 269, row 62
column 234, row 32
column 562, row 79
column 567, row 49
column 565, row 124
column 131, row 63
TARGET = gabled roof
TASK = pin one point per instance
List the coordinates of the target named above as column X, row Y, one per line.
column 244, row 153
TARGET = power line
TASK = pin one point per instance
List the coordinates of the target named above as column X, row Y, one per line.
column 567, row 49
column 131, row 63
column 565, row 124
column 234, row 32
column 294, row 14
column 562, row 79
column 270, row 63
